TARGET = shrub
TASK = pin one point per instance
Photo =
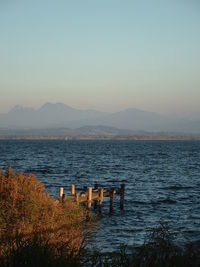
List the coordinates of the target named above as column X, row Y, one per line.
column 34, row 252
column 159, row 250
column 27, row 210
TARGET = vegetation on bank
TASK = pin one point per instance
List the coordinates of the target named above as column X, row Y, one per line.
column 33, row 222
column 159, row 250
column 37, row 230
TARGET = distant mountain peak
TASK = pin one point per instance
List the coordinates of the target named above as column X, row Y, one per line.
column 17, row 107
column 20, row 109
column 56, row 115
column 50, row 106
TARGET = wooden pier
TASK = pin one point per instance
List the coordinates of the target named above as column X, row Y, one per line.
column 94, row 195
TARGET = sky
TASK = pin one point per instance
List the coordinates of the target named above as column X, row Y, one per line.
column 108, row 55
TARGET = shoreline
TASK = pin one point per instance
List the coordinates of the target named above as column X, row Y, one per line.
column 107, row 138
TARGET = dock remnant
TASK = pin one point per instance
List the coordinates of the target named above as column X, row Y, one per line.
column 112, row 193
column 100, row 198
column 89, row 204
column 63, row 197
column 73, row 189
column 61, row 192
column 96, row 195
column 96, row 190
column 122, row 191
column 77, row 198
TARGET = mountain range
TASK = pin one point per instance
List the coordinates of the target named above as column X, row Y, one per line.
column 59, row 115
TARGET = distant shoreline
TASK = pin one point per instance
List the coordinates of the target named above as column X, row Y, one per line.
column 136, row 137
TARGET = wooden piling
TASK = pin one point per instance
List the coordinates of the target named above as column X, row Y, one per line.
column 61, row 192
column 77, row 198
column 112, row 193
column 122, row 190
column 63, row 198
column 100, row 198
column 95, row 201
column 96, row 195
column 73, row 189
column 89, row 197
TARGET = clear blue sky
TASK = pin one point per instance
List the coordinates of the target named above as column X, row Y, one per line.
column 103, row 54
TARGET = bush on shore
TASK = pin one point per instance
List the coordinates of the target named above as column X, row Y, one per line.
column 30, row 217
column 159, row 250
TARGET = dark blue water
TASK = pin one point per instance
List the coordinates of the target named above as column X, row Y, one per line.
column 162, row 181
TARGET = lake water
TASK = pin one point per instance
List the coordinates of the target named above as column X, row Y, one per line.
column 162, row 182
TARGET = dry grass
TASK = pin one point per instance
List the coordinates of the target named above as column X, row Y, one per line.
column 27, row 210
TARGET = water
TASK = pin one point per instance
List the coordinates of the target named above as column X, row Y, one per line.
column 162, row 182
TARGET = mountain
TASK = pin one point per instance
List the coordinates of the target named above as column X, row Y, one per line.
column 62, row 116
column 49, row 115
column 137, row 120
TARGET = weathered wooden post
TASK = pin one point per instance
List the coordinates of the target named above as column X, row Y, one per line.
column 63, row 198
column 73, row 189
column 112, row 192
column 89, row 203
column 100, row 198
column 96, row 189
column 77, row 198
column 89, row 197
column 122, row 190
column 61, row 192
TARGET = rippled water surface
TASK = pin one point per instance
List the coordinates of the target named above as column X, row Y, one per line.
column 162, row 181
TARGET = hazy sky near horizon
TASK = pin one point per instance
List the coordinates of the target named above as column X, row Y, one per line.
column 108, row 54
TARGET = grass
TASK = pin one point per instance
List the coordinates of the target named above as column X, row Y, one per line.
column 30, row 217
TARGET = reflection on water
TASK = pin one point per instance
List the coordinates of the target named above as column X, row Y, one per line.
column 162, row 181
